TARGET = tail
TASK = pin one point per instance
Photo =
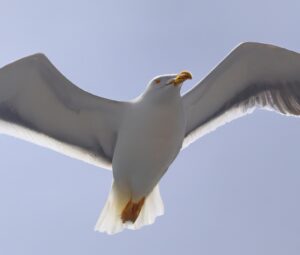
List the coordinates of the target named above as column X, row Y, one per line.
column 119, row 213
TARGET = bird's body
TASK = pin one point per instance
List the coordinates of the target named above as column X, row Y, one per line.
column 145, row 150
column 143, row 153
column 139, row 139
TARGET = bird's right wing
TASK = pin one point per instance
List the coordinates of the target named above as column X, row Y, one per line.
column 38, row 104
column 253, row 75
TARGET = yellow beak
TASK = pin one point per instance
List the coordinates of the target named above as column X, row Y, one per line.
column 181, row 77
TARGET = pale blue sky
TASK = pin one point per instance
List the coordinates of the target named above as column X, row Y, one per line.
column 235, row 191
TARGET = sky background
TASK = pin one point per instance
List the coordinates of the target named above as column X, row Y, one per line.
column 235, row 191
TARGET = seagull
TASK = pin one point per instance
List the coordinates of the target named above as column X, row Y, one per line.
column 139, row 139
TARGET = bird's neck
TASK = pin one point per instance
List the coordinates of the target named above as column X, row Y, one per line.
column 162, row 94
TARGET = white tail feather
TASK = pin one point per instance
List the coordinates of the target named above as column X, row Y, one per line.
column 110, row 218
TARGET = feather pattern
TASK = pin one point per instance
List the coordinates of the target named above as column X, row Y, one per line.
column 38, row 104
column 254, row 75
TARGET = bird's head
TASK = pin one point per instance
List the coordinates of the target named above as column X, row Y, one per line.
column 169, row 80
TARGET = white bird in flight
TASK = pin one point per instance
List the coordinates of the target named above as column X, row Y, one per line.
column 139, row 139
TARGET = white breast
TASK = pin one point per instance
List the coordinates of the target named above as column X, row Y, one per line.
column 149, row 141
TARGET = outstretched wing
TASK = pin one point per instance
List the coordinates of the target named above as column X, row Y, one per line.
column 38, row 104
column 252, row 75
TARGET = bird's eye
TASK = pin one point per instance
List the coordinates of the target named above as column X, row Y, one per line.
column 157, row 81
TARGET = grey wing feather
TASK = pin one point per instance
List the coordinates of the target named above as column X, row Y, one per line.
column 38, row 104
column 253, row 75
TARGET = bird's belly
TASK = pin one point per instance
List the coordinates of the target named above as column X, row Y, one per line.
column 144, row 151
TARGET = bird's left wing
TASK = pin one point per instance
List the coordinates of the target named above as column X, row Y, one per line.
column 252, row 75
column 38, row 104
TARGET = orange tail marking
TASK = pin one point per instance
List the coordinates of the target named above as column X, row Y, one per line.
column 132, row 210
